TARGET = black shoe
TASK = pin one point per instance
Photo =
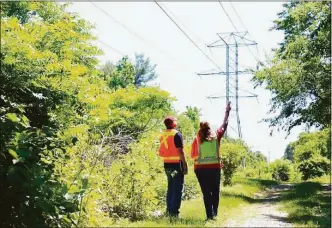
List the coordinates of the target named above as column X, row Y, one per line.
column 174, row 215
column 210, row 219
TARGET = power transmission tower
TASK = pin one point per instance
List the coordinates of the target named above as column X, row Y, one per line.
column 229, row 41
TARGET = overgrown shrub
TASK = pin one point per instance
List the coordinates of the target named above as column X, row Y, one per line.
column 326, row 179
column 315, row 167
column 133, row 183
column 281, row 170
column 233, row 153
column 191, row 185
column 295, row 175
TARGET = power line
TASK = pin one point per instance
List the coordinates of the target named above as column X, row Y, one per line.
column 135, row 34
column 187, row 36
column 118, row 22
column 141, row 38
column 229, row 18
column 233, row 129
column 132, row 32
column 175, row 17
column 110, row 47
column 238, row 17
column 246, row 91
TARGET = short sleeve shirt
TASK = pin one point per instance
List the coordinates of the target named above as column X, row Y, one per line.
column 178, row 140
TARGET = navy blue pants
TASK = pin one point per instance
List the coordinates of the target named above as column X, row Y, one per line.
column 175, row 180
column 209, row 180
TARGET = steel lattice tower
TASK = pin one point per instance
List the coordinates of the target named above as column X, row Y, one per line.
column 229, row 41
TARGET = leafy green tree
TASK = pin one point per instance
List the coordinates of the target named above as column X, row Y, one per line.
column 314, row 167
column 123, row 75
column 46, row 79
column 260, row 157
column 255, row 164
column 232, row 152
column 18, row 9
column 193, row 114
column 311, row 153
column 254, row 159
column 299, row 74
column 137, row 110
column 186, row 127
column 289, row 153
column 144, row 70
column 311, row 145
column 281, row 170
column 107, row 70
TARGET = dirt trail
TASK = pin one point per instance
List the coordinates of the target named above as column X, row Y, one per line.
column 265, row 213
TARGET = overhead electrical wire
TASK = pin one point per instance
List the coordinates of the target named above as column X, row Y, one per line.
column 142, row 39
column 138, row 36
column 179, row 22
column 231, row 84
column 239, row 17
column 182, row 65
column 110, row 47
column 242, row 39
column 241, row 21
column 119, row 22
column 164, row 9
column 134, row 33
column 188, row 36
column 229, row 18
column 235, row 131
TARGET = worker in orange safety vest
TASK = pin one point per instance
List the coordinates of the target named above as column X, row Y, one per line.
column 175, row 165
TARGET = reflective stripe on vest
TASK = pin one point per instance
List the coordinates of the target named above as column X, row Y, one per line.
column 207, row 152
column 167, row 148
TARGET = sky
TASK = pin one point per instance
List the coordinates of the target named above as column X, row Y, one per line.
column 142, row 27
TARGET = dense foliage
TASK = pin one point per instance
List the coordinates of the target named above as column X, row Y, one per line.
column 311, row 153
column 193, row 113
column 79, row 144
column 281, row 170
column 79, row 141
column 125, row 73
column 299, row 74
column 46, row 84
column 62, row 126
column 144, row 70
column 233, row 154
column 299, row 77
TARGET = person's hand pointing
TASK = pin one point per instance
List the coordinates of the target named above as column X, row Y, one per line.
column 228, row 107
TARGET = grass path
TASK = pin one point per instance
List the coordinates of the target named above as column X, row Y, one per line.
column 265, row 213
column 192, row 212
column 255, row 203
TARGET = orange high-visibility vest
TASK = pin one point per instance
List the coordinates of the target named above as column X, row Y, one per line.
column 167, row 148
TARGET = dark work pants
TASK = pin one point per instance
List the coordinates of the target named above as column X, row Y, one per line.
column 175, row 180
column 209, row 180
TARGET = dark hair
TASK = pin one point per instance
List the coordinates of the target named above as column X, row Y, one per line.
column 169, row 122
column 205, row 132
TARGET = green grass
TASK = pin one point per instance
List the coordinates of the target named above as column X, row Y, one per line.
column 326, row 179
column 308, row 204
column 192, row 212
